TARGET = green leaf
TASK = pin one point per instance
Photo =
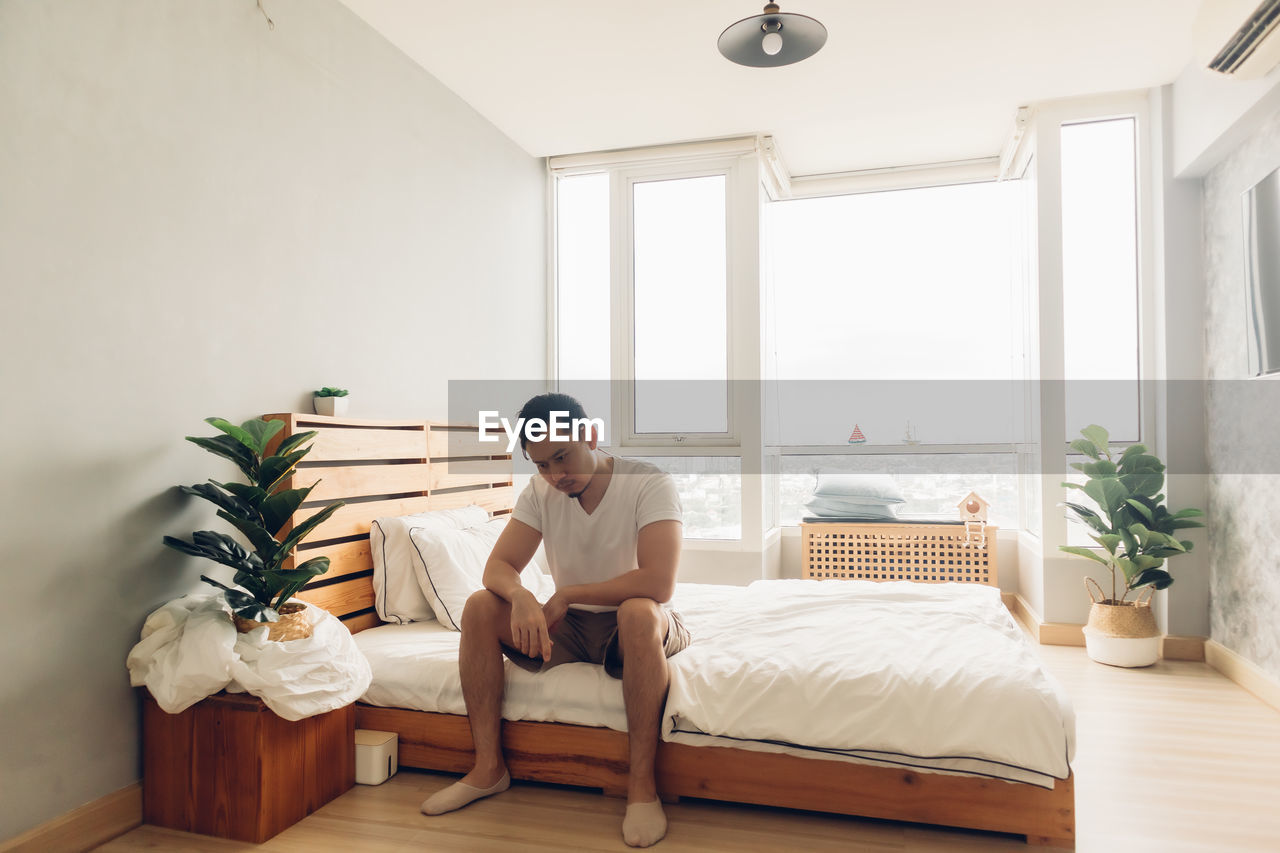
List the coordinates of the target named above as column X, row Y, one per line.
column 1073, row 485
column 250, row 494
column 1141, row 533
column 244, row 606
column 218, row 547
column 1110, row 541
column 229, row 448
column 1085, row 447
column 1089, row 517
column 255, row 585
column 261, row 540
column 292, row 442
column 1130, row 541
column 1127, row 566
column 276, row 468
column 1133, row 450
column 300, row 576
column 1142, row 509
column 300, row 531
column 1098, row 436
column 1079, row 466
column 262, row 431
column 1101, row 468
column 240, row 434
column 1147, row 561
column 1084, row 552
column 292, row 580
column 1140, row 462
column 306, row 571
column 277, row 509
column 1158, row 578
column 1187, row 513
column 1108, row 493
column 1144, row 483
column 217, row 497
column 1186, row 544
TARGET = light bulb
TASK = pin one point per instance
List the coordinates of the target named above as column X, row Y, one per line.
column 771, row 43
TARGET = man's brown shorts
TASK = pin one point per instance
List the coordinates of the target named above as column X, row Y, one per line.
column 583, row 635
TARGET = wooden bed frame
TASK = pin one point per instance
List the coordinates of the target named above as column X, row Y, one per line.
column 386, row 468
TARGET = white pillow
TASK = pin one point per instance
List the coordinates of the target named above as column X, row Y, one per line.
column 454, row 563
column 824, row 507
column 397, row 566
column 859, row 488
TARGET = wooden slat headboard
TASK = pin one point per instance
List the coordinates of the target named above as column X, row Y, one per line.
column 383, row 468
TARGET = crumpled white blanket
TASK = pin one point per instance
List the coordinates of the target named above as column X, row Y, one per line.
column 190, row 650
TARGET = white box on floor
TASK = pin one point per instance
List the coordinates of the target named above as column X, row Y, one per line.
column 376, row 756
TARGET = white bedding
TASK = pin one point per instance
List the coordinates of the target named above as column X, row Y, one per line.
column 932, row 676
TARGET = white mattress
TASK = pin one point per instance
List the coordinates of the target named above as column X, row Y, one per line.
column 932, row 676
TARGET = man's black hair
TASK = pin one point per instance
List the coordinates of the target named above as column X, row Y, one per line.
column 542, row 406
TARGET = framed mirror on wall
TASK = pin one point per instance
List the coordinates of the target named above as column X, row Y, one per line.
column 1261, row 204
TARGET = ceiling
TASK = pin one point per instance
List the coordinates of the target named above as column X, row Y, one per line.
column 899, row 82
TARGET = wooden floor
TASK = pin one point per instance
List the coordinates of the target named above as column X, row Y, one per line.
column 1170, row 758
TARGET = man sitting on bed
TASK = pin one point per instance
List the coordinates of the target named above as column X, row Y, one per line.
column 612, row 531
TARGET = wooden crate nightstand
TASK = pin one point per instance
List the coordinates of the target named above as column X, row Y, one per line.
column 878, row 551
column 228, row 766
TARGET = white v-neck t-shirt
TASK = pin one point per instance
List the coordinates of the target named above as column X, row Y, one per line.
column 584, row 547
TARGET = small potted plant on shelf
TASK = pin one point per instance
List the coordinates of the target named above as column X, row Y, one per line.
column 260, row 510
column 330, row 401
column 1135, row 532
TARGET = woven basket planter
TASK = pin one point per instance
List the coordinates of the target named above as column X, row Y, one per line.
column 1121, row 634
column 292, row 624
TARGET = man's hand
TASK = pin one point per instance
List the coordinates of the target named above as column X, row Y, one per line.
column 529, row 626
column 555, row 608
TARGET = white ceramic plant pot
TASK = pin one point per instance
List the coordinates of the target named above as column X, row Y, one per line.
column 334, row 406
column 1122, row 651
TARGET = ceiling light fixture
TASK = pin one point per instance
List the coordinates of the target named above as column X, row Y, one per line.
column 772, row 39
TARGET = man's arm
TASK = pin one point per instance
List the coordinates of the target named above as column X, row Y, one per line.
column 658, row 557
column 512, row 552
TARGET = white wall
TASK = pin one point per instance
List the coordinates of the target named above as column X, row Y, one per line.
column 1213, row 114
column 1179, row 299
column 200, row 216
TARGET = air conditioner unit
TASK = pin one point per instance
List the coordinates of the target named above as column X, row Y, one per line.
column 1239, row 38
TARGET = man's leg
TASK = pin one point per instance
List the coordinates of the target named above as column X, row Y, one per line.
column 486, row 622
column 642, row 626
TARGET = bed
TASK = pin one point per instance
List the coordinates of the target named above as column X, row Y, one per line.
column 390, row 468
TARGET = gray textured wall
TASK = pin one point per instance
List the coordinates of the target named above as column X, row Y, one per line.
column 200, row 216
column 1243, row 508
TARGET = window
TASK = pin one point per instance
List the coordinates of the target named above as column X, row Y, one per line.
column 886, row 304
column 1100, row 277
column 710, row 489
column 931, row 483
column 646, row 255
column 582, row 291
column 680, row 309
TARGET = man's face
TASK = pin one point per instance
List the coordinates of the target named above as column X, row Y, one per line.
column 566, row 465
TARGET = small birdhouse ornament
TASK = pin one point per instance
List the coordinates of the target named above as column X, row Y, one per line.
column 973, row 512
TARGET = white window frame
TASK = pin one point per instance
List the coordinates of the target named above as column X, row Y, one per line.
column 739, row 160
column 622, row 239
column 1060, row 576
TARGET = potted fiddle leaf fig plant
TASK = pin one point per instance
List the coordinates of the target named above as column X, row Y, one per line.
column 260, row 510
column 330, row 401
column 1135, row 532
